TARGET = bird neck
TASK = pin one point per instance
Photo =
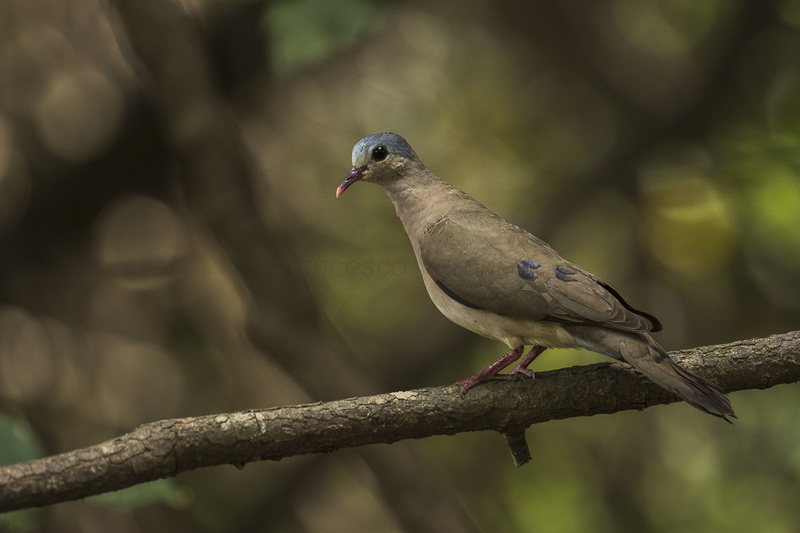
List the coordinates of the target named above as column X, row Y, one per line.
column 421, row 201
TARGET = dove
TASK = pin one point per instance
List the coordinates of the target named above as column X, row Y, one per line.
column 499, row 281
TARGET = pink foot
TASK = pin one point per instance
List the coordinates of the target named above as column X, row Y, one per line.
column 491, row 370
column 522, row 366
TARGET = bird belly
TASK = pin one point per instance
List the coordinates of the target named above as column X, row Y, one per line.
column 511, row 330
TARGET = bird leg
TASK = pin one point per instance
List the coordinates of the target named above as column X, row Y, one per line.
column 493, row 369
column 522, row 366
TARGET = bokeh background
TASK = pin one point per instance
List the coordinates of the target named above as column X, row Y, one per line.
column 170, row 245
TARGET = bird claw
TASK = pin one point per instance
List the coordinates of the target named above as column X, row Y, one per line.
column 516, row 374
column 465, row 384
column 522, row 373
column 490, row 371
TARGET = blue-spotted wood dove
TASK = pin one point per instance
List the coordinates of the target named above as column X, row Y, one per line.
column 499, row 281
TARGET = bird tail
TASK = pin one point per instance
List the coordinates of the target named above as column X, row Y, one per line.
column 646, row 356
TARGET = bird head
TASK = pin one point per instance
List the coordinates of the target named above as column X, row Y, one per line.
column 378, row 159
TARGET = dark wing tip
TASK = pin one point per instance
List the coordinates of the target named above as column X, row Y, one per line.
column 653, row 320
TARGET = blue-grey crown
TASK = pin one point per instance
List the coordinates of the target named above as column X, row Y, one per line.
column 393, row 142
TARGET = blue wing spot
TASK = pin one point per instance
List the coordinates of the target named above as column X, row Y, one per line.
column 525, row 269
column 564, row 274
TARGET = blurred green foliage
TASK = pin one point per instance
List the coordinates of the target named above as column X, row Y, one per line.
column 162, row 491
column 19, row 441
column 306, row 31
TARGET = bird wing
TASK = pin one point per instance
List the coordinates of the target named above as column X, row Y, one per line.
column 484, row 262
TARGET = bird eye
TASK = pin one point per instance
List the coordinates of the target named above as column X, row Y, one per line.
column 379, row 153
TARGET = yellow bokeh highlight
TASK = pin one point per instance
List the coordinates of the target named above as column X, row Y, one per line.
column 688, row 223
column 775, row 202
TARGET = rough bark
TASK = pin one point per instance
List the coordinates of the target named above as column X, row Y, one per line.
column 169, row 447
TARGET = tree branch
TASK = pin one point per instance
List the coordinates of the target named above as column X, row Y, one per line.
column 168, row 447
